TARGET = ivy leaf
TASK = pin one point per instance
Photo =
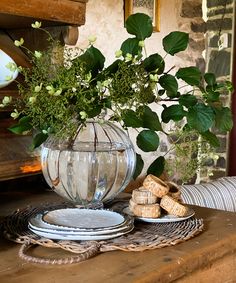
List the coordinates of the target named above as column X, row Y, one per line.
column 154, row 62
column 187, row 100
column 157, row 166
column 173, row 112
column 211, row 138
column 200, row 117
column 140, row 25
column 175, row 41
column 191, row 75
column 210, row 79
column 170, row 84
column 147, row 140
column 38, row 140
column 151, row 120
column 130, row 45
column 139, row 166
column 22, row 126
column 224, row 119
column 93, row 60
column 131, row 119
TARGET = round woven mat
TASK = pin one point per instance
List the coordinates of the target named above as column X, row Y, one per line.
column 145, row 236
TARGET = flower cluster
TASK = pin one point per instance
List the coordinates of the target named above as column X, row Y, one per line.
column 63, row 90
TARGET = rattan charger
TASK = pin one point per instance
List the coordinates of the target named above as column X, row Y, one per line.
column 145, row 236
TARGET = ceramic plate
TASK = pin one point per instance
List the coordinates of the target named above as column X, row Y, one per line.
column 162, row 219
column 36, row 223
column 80, row 237
column 83, row 218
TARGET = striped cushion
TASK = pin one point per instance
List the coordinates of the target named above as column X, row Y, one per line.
column 220, row 194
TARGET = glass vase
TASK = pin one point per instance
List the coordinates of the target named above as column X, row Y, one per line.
column 93, row 167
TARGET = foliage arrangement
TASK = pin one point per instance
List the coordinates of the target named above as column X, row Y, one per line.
column 62, row 91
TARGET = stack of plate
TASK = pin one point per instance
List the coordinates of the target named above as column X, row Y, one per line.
column 80, row 224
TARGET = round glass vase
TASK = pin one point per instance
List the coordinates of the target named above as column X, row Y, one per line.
column 93, row 167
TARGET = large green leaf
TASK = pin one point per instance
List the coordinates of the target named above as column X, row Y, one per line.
column 187, row 100
column 200, row 117
column 147, row 140
column 131, row 119
column 223, row 120
column 175, row 41
column 93, row 60
column 151, row 120
column 139, row 166
column 154, row 62
column 210, row 79
column 22, row 126
column 173, row 112
column 191, row 75
column 131, row 46
column 211, row 138
column 157, row 166
column 140, row 25
column 170, row 84
column 38, row 140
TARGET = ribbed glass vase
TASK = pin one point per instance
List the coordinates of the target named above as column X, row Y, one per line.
column 93, row 167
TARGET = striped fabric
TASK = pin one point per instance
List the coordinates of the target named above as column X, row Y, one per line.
column 220, row 194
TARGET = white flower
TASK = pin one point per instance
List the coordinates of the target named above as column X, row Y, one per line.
column 37, row 54
column 36, row 24
column 19, row 42
column 88, row 77
column 153, row 78
column 38, row 87
column 11, row 66
column 15, row 114
column 6, row 100
column 118, row 53
column 92, row 39
column 128, row 57
column 58, row 92
column 141, row 43
column 83, row 115
column 45, row 132
column 32, row 99
column 73, row 89
column 50, row 89
column 8, row 78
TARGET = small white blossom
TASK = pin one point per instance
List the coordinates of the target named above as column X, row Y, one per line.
column 83, row 115
column 73, row 89
column 11, row 66
column 58, row 92
column 45, row 132
column 50, row 89
column 92, row 39
column 6, row 100
column 36, row 24
column 118, row 53
column 88, row 77
column 19, row 42
column 153, row 78
column 128, row 57
column 32, row 99
column 38, row 87
column 141, row 43
column 37, row 54
column 15, row 114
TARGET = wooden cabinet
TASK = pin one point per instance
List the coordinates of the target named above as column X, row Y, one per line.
column 61, row 18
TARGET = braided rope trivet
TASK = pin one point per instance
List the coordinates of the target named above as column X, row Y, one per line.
column 145, row 236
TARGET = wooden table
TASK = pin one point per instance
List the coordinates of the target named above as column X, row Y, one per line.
column 208, row 257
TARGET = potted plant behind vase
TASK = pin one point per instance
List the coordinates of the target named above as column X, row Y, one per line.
column 62, row 94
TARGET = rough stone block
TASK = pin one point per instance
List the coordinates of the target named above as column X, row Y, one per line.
column 199, row 27
column 221, row 162
column 222, row 147
column 219, row 24
column 219, row 63
column 216, row 3
column 217, row 174
column 191, row 9
column 219, row 11
column 213, row 42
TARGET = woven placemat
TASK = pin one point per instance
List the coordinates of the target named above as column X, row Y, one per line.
column 145, row 236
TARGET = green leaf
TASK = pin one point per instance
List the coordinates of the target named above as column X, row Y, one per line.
column 170, row 84
column 93, row 60
column 22, row 126
column 151, row 120
column 154, row 62
column 113, row 68
column 95, row 111
column 147, row 140
column 140, row 25
column 200, row 117
column 224, row 119
column 131, row 119
column 211, row 138
column 157, row 166
column 187, row 100
column 130, row 45
column 212, row 96
column 139, row 166
column 173, row 112
column 38, row 140
column 175, row 41
column 191, row 75
column 210, row 79
column 161, row 91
